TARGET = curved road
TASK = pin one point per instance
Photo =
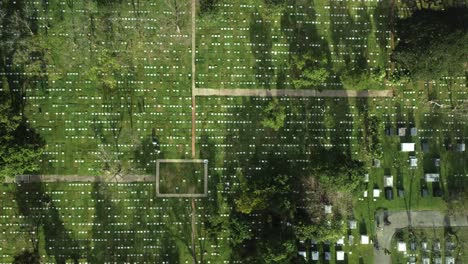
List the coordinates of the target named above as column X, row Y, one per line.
column 401, row 219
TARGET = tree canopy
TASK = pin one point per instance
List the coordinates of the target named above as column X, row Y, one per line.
column 433, row 44
column 27, row 257
column 20, row 146
column 274, row 115
column 309, row 72
column 290, row 206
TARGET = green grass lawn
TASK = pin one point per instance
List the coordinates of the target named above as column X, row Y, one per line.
column 90, row 124
column 142, row 89
column 102, row 222
column 230, row 132
column 181, row 178
column 248, row 44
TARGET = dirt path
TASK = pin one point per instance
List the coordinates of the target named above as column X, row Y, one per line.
column 82, row 178
column 400, row 220
column 193, row 232
column 194, row 13
column 194, row 106
column 292, row 93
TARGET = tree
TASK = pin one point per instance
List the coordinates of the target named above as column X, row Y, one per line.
column 311, row 78
column 324, row 231
column 27, row 257
column 16, row 26
column 207, row 6
column 275, row 2
column 277, row 251
column 239, row 231
column 308, row 71
column 272, row 194
column 177, row 9
column 336, row 171
column 433, row 44
column 252, row 201
column 20, row 146
column 274, row 115
column 332, row 180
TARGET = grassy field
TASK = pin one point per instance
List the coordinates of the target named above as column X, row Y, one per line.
column 134, row 80
column 118, row 81
column 102, row 222
column 181, row 178
column 249, row 44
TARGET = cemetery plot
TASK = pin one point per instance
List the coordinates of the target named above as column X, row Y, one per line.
column 429, row 245
column 234, row 125
column 115, row 90
column 113, row 106
column 181, row 178
column 232, row 128
column 99, row 222
column 252, row 44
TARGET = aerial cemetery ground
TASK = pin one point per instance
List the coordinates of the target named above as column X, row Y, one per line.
column 108, row 89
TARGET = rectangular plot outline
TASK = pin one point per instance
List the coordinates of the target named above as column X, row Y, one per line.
column 186, row 195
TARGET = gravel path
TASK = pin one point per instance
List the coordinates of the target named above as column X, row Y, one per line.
column 291, row 93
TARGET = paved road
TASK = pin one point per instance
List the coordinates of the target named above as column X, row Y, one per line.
column 291, row 93
column 401, row 219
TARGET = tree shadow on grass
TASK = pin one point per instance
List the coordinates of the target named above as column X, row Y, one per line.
column 382, row 23
column 261, row 40
column 349, row 38
column 145, row 155
column 302, row 37
column 112, row 242
column 179, row 211
column 309, row 54
column 40, row 213
column 257, row 153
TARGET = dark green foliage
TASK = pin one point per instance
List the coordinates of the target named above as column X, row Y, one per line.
column 27, row 257
column 268, row 197
column 269, row 193
column 321, row 231
column 333, row 177
column 382, row 23
column 335, row 170
column 108, row 2
column 277, row 249
column 309, row 66
column 20, row 146
column 433, row 44
column 207, row 6
column 309, row 72
column 274, row 115
column 239, row 230
column 276, row 197
column 275, row 2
